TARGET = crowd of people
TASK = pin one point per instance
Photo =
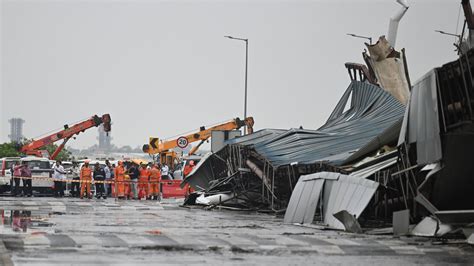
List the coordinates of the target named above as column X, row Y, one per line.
column 125, row 180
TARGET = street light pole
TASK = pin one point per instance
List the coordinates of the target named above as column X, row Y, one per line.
column 458, row 37
column 360, row 36
column 246, row 71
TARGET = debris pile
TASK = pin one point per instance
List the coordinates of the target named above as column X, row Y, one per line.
column 374, row 156
column 261, row 169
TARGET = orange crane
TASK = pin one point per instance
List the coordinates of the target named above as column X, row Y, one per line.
column 165, row 148
column 33, row 148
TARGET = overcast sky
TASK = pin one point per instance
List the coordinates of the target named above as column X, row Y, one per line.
column 161, row 68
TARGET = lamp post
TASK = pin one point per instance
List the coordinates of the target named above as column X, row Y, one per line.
column 246, row 68
column 447, row 33
column 360, row 36
column 458, row 37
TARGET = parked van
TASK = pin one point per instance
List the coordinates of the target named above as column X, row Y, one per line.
column 40, row 167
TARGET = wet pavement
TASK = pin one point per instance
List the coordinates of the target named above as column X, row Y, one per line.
column 50, row 231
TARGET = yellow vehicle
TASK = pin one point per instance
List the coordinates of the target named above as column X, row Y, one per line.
column 168, row 156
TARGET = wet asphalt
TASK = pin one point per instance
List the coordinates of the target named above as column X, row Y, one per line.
column 69, row 231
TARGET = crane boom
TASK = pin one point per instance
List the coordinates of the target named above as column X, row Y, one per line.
column 33, row 147
column 202, row 135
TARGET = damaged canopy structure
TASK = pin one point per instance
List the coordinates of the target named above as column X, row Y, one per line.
column 371, row 110
column 265, row 166
column 438, row 129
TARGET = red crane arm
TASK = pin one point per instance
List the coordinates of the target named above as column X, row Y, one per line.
column 66, row 134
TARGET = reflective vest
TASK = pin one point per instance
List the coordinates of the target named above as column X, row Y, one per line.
column 86, row 173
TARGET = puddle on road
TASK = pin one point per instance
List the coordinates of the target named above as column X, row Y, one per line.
column 21, row 221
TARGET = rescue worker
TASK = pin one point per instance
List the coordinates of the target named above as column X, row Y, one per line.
column 86, row 179
column 155, row 178
column 119, row 174
column 143, row 185
column 188, row 168
column 99, row 175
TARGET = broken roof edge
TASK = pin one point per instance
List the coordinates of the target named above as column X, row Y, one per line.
column 388, row 136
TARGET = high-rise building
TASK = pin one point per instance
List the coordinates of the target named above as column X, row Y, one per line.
column 104, row 139
column 16, row 129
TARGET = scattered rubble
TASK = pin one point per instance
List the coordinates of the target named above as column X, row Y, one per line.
column 388, row 150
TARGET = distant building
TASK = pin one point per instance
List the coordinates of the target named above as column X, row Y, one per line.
column 104, row 140
column 16, row 129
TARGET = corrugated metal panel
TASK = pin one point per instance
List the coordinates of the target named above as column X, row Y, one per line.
column 206, row 170
column 370, row 170
column 257, row 137
column 302, row 206
column 340, row 192
column 421, row 121
column 372, row 110
column 347, row 193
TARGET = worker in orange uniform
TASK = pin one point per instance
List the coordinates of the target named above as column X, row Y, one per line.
column 86, row 179
column 155, row 178
column 119, row 174
column 143, row 182
column 188, row 169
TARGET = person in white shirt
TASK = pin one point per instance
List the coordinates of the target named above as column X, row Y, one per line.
column 108, row 177
column 165, row 172
column 59, row 175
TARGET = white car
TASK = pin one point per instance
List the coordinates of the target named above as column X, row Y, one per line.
column 40, row 167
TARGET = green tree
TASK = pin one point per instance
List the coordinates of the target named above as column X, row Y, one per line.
column 64, row 155
column 9, row 150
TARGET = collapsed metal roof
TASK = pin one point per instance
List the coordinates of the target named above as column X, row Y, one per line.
column 363, row 112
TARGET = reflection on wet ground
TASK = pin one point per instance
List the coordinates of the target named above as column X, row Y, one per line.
column 21, row 220
column 50, row 231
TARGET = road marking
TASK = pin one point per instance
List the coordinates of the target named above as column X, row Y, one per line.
column 328, row 249
column 83, row 203
column 406, row 250
column 36, row 240
column 29, row 203
column 391, row 242
column 430, row 250
column 135, row 240
column 61, row 241
column 133, row 208
column 162, row 240
column 85, row 240
column 341, row 242
column 57, row 206
column 287, row 241
column 238, row 241
column 112, row 241
column 271, row 247
column 56, row 203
